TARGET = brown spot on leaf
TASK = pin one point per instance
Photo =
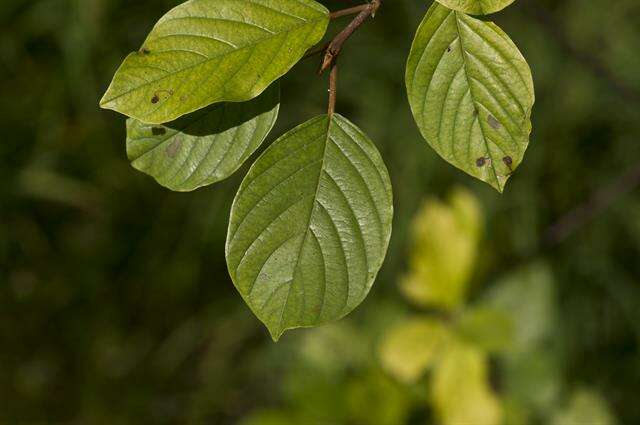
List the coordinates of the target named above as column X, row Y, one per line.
column 480, row 162
column 493, row 122
column 144, row 51
column 508, row 161
column 173, row 148
column 155, row 99
column 158, row 131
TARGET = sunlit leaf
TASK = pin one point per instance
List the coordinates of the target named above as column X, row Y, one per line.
column 310, row 225
column 477, row 7
column 489, row 329
column 445, row 247
column 411, row 347
column 208, row 51
column 471, row 93
column 203, row 147
column 461, row 390
column 586, row 407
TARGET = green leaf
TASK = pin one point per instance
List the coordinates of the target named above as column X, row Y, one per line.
column 208, row 51
column 445, row 246
column 310, row 225
column 527, row 297
column 486, row 328
column 586, row 407
column 476, row 7
column 461, row 390
column 205, row 146
column 410, row 348
column 471, row 93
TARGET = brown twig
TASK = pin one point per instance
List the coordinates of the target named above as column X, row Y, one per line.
column 335, row 46
column 333, row 88
column 348, row 11
column 598, row 202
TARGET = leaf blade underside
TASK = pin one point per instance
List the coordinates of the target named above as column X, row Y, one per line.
column 471, row 94
column 208, row 51
column 204, row 147
column 310, row 225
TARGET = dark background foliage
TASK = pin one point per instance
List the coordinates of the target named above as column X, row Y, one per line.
column 115, row 303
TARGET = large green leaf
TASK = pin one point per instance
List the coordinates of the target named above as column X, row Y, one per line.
column 471, row 93
column 310, row 225
column 205, row 146
column 477, row 7
column 208, row 51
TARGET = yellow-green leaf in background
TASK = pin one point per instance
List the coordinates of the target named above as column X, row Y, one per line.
column 445, row 247
column 486, row 328
column 471, row 94
column 208, row 51
column 410, row 348
column 460, row 388
column 586, row 407
column 476, row 7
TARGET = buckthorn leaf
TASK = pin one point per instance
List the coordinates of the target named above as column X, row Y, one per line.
column 471, row 93
column 310, row 225
column 205, row 146
column 208, row 51
column 476, row 7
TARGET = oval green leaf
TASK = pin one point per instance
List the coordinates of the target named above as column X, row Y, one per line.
column 208, row 51
column 310, row 225
column 476, row 7
column 471, row 94
column 205, row 146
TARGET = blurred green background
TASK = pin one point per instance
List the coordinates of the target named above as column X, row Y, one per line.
column 115, row 302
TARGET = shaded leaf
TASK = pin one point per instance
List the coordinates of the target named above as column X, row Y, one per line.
column 460, row 388
column 527, row 297
column 203, row 147
column 208, row 51
column 486, row 328
column 445, row 247
column 310, row 225
column 471, row 93
column 476, row 7
column 410, row 348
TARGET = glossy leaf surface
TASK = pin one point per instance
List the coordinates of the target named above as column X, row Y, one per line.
column 310, row 225
column 471, row 93
column 205, row 146
column 208, row 51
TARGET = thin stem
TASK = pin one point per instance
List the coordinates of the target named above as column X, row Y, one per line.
column 333, row 88
column 348, row 11
column 334, row 48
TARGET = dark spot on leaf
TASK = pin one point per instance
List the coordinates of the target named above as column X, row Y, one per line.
column 158, row 131
column 449, row 49
column 173, row 148
column 493, row 122
column 145, row 51
column 508, row 161
column 480, row 162
column 155, row 98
